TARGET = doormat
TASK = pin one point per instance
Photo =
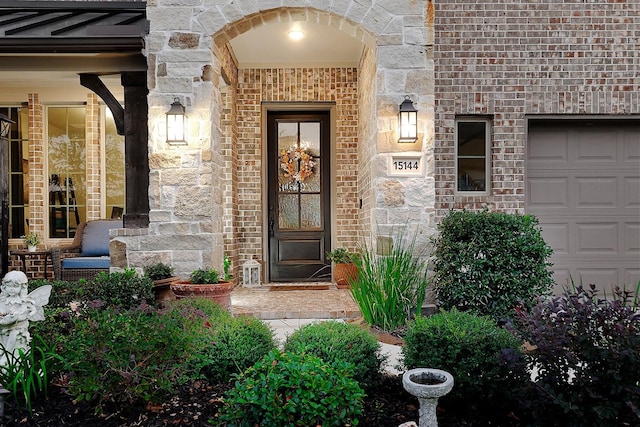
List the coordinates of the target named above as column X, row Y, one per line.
column 301, row 286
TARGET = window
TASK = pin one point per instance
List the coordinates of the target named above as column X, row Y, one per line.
column 473, row 142
column 66, row 168
column 114, row 179
column 18, row 171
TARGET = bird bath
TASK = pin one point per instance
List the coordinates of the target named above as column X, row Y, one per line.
column 428, row 385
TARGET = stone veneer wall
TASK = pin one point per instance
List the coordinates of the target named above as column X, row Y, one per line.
column 308, row 85
column 187, row 188
column 510, row 59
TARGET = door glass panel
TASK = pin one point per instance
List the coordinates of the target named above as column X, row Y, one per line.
column 312, row 183
column 310, row 137
column 287, row 135
column 288, row 210
column 310, row 212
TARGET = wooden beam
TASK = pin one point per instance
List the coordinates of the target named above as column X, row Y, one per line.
column 93, row 82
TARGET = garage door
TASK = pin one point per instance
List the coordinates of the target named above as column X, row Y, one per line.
column 583, row 184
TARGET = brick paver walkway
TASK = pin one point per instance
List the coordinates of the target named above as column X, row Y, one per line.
column 263, row 303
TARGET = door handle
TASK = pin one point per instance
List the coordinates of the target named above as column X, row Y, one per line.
column 272, row 224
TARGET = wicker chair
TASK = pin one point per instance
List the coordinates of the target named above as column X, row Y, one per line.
column 87, row 255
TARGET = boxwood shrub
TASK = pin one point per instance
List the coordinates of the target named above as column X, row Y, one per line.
column 474, row 350
column 490, row 262
column 235, row 345
column 289, row 389
column 336, row 341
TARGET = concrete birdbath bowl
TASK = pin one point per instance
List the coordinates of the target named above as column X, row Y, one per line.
column 428, row 385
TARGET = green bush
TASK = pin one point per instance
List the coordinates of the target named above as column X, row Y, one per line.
column 390, row 288
column 63, row 292
column 125, row 289
column 125, row 356
column 469, row 347
column 288, row 389
column 202, row 276
column 335, row 341
column 490, row 262
column 158, row 271
column 237, row 344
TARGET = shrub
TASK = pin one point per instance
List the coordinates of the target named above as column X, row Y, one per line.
column 237, row 344
column 390, row 287
column 158, row 271
column 125, row 289
column 472, row 349
column 288, row 389
column 335, row 341
column 488, row 262
column 341, row 256
column 125, row 356
column 202, row 276
column 586, row 352
column 63, row 292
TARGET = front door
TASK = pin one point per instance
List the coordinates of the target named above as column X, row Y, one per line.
column 298, row 201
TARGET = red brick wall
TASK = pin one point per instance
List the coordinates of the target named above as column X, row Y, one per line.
column 256, row 86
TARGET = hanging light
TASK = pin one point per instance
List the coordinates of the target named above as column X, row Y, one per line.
column 176, row 124
column 5, row 126
column 407, row 121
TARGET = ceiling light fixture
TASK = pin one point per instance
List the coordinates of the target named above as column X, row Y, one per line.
column 296, row 34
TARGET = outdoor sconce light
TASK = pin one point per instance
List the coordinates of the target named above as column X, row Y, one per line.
column 176, row 124
column 251, row 273
column 5, row 126
column 407, row 121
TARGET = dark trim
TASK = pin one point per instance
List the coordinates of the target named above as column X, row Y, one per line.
column 93, row 82
column 25, row 6
column 71, row 45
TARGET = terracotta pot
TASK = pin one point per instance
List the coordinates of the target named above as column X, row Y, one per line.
column 217, row 292
column 162, row 290
column 343, row 274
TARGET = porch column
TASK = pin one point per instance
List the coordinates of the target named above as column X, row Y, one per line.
column 136, row 152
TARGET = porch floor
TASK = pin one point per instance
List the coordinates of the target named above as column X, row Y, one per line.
column 301, row 302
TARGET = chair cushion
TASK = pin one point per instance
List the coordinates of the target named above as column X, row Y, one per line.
column 95, row 240
column 87, row 262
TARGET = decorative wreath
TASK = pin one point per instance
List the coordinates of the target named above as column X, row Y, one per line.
column 288, row 158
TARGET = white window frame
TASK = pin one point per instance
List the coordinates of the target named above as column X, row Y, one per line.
column 487, row 153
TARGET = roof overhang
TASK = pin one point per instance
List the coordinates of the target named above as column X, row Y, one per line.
column 72, row 26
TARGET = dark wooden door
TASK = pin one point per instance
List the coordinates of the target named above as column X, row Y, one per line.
column 299, row 203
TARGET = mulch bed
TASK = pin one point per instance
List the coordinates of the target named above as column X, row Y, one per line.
column 194, row 405
column 386, row 405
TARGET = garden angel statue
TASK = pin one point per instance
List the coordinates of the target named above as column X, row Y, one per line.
column 17, row 308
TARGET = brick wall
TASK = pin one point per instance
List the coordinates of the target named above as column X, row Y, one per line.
column 511, row 59
column 256, row 86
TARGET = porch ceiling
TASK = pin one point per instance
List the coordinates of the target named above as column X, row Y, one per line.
column 46, row 44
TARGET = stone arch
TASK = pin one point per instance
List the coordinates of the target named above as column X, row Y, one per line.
column 232, row 217
column 294, row 14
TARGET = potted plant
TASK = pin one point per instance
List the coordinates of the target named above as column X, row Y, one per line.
column 32, row 240
column 344, row 268
column 205, row 283
column 162, row 276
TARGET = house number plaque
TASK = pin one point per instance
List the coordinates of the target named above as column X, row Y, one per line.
column 406, row 165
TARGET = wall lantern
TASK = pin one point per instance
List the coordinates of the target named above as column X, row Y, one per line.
column 5, row 126
column 176, row 124
column 407, row 121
